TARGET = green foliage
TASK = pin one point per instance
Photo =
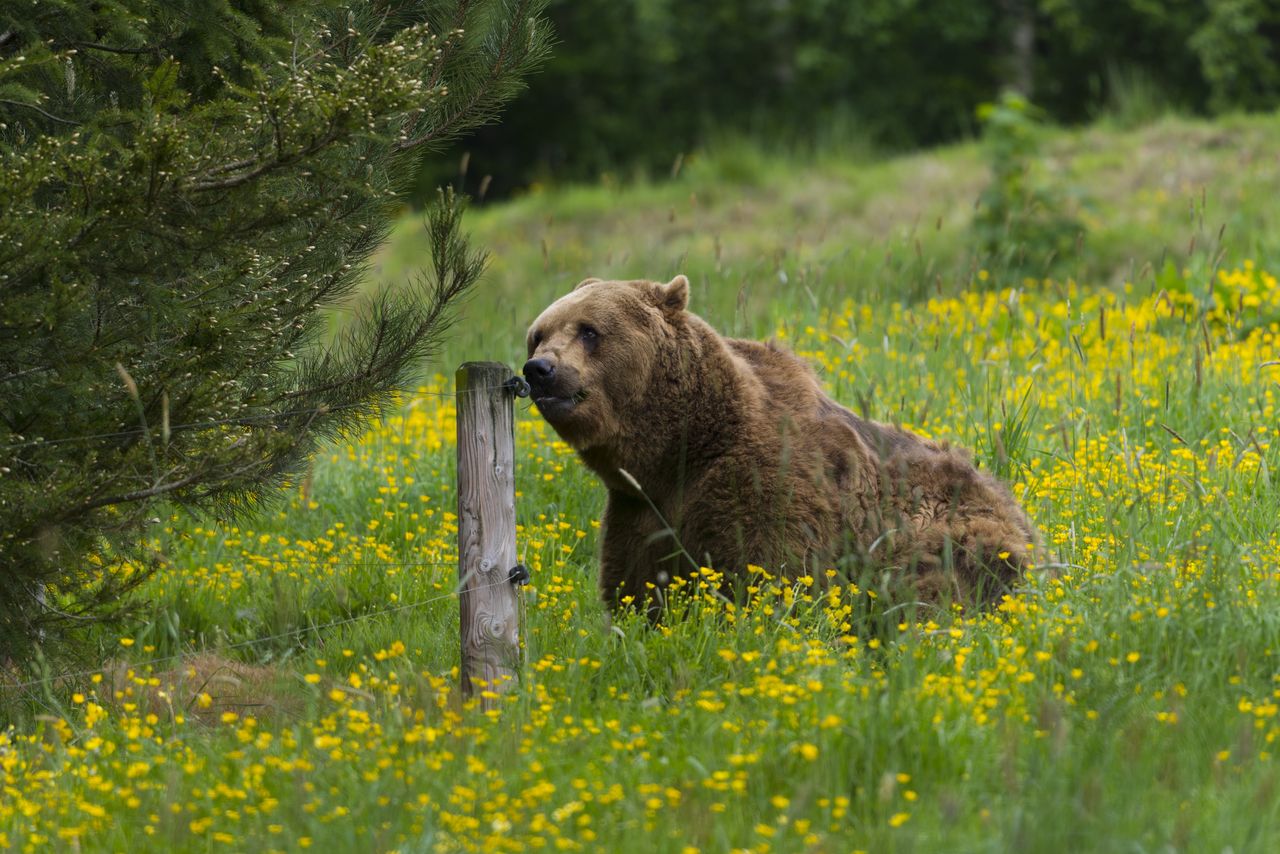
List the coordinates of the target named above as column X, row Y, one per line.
column 183, row 187
column 1020, row 220
column 636, row 83
column 1236, row 47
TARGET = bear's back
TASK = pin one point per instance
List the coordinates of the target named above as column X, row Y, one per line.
column 787, row 383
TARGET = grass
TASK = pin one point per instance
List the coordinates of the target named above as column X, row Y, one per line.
column 305, row 693
column 764, row 234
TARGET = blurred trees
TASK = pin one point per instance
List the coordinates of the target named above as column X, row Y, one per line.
column 633, row 83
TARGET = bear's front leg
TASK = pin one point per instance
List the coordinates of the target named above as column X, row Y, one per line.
column 639, row 555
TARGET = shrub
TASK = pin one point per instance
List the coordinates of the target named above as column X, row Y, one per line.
column 1021, row 220
column 183, row 188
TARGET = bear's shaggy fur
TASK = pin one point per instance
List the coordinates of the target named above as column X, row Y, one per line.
column 724, row 452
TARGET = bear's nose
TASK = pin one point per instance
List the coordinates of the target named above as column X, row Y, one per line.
column 539, row 371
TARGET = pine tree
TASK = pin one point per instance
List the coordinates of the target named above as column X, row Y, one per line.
column 185, row 186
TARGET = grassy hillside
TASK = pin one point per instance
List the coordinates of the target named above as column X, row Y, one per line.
column 762, row 234
column 294, row 685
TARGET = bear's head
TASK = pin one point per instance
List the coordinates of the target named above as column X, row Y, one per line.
column 593, row 354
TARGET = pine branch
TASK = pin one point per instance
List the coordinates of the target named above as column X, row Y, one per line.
column 452, row 39
column 453, row 124
column 44, row 113
column 131, row 497
column 264, row 167
column 127, row 51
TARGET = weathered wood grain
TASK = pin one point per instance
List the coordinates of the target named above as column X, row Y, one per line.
column 486, row 528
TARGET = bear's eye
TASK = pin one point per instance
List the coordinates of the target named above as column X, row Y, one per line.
column 535, row 341
column 589, row 337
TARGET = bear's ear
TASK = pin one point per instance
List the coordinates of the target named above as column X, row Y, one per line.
column 586, row 282
column 674, row 295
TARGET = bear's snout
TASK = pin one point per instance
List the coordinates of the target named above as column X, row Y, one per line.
column 539, row 372
column 555, row 389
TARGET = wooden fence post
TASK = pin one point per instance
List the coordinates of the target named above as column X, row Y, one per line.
column 487, row 527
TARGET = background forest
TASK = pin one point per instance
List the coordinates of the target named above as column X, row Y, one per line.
column 633, row 84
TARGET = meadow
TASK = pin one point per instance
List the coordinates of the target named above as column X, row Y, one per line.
column 293, row 682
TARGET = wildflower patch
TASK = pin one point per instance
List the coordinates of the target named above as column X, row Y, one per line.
column 1134, row 696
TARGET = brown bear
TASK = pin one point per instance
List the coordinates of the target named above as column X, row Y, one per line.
column 723, row 452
